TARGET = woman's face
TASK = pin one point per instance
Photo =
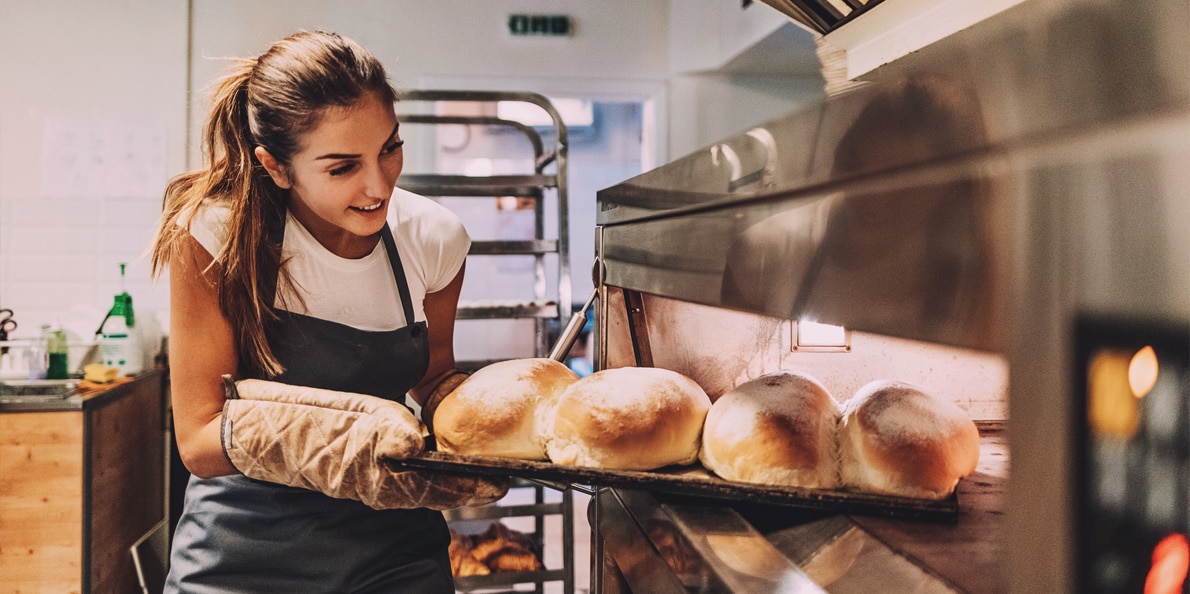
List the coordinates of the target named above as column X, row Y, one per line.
column 342, row 178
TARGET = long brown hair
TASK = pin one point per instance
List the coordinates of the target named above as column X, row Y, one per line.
column 270, row 101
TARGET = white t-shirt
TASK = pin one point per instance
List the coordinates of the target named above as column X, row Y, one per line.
column 361, row 293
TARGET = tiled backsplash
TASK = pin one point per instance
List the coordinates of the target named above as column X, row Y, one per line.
column 59, row 261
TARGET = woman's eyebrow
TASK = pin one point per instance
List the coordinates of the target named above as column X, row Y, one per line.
column 356, row 155
column 337, row 156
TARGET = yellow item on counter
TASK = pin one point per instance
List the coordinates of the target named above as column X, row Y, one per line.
column 99, row 373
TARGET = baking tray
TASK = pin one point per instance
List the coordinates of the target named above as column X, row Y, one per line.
column 691, row 481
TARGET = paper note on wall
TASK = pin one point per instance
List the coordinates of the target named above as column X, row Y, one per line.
column 102, row 158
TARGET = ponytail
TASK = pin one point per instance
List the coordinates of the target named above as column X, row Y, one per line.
column 236, row 179
column 269, row 101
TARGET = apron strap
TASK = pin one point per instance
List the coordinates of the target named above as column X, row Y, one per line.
column 394, row 258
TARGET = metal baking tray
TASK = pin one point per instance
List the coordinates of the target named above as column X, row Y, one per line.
column 692, row 481
column 30, row 390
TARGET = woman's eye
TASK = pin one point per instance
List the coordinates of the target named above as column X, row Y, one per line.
column 392, row 148
column 340, row 170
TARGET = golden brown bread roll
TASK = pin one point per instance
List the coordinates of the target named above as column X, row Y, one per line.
column 777, row 429
column 494, row 412
column 896, row 439
column 628, row 418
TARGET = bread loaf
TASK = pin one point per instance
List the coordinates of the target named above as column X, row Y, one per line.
column 628, row 418
column 896, row 439
column 777, row 429
column 494, row 412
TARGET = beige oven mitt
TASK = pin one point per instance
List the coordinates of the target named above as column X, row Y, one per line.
column 332, row 442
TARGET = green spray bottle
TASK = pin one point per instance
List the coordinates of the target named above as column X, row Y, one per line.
column 119, row 338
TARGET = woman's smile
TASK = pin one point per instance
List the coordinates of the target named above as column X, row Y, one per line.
column 374, row 207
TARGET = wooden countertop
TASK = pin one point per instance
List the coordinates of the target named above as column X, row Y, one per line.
column 81, row 479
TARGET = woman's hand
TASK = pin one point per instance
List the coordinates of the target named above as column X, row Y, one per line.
column 337, row 443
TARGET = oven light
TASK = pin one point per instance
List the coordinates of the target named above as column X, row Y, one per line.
column 1142, row 371
column 818, row 336
column 1111, row 408
column 1171, row 561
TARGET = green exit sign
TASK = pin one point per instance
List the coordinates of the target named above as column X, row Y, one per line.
column 539, row 24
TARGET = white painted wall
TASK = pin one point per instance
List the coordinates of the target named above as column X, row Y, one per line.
column 86, row 64
column 707, row 34
column 126, row 63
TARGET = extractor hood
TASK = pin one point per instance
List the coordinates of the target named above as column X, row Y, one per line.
column 822, row 16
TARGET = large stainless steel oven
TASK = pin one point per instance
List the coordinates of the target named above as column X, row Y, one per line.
column 958, row 215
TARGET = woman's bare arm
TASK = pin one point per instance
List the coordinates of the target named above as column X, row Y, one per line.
column 440, row 308
column 202, row 348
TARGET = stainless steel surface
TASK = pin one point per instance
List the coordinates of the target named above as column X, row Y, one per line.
column 840, row 553
column 742, row 558
column 693, row 549
column 822, row 16
column 640, row 562
column 14, row 391
column 907, row 253
column 845, row 559
column 905, row 226
column 1037, row 171
column 692, row 480
column 570, row 333
column 637, row 323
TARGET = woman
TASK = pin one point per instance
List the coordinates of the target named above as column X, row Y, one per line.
column 283, row 268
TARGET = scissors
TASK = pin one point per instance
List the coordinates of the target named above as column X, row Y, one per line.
column 7, row 324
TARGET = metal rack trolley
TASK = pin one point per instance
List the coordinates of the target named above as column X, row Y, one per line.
column 536, row 184
column 542, row 182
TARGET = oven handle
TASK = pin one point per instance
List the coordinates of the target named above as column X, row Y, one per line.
column 571, row 331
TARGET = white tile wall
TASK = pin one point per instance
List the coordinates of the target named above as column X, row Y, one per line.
column 111, row 70
column 59, row 261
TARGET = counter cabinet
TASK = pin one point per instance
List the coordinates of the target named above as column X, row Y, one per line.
column 80, row 481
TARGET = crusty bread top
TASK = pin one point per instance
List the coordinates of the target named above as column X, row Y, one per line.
column 494, row 412
column 897, row 438
column 777, row 429
column 635, row 418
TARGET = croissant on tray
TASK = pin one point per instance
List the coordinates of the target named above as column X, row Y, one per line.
column 497, row 549
column 462, row 563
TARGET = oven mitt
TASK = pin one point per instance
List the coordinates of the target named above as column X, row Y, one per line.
column 333, row 442
column 447, row 385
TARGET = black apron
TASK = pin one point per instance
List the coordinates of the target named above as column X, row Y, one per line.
column 238, row 534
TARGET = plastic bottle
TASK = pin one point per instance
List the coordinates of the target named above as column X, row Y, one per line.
column 55, row 348
column 119, row 338
column 38, row 357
